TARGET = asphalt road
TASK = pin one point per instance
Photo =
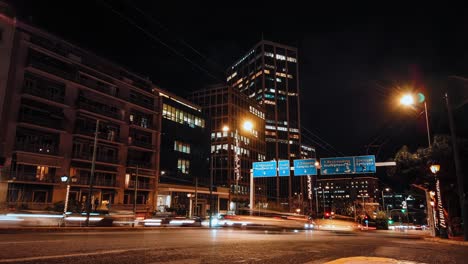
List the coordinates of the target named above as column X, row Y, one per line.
column 180, row 245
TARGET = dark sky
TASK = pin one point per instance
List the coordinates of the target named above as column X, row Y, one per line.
column 354, row 60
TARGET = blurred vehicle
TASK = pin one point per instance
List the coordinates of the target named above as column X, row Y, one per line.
column 31, row 218
column 122, row 218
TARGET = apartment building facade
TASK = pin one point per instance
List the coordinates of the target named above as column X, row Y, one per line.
column 52, row 95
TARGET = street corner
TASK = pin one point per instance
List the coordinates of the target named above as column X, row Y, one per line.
column 376, row 260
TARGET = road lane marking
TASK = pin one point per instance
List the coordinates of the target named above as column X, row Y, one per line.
column 116, row 251
column 32, row 241
column 365, row 260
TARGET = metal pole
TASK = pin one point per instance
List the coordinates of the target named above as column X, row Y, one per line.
column 136, row 192
column 427, row 125
column 323, row 198
column 252, row 192
column 316, row 203
column 211, row 191
column 458, row 170
column 190, row 206
column 236, row 170
column 91, row 176
column 65, row 208
column 430, row 215
column 196, row 196
column 383, row 202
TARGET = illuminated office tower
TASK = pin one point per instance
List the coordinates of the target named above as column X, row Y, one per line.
column 269, row 73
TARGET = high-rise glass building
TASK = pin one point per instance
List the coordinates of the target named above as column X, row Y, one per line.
column 234, row 146
column 269, row 73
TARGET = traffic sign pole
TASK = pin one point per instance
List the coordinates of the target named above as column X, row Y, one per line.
column 252, row 192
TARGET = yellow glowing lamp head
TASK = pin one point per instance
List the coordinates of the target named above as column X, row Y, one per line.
column 225, row 128
column 248, row 125
column 435, row 168
column 407, row 99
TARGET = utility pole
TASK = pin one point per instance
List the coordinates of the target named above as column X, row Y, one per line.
column 196, row 195
column 136, row 192
column 211, row 190
column 91, row 176
column 316, row 202
column 458, row 170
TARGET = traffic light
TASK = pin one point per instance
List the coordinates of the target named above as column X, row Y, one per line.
column 403, row 210
column 327, row 214
column 390, row 221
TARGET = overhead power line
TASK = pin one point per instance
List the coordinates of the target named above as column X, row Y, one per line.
column 321, row 140
column 154, row 21
column 155, row 38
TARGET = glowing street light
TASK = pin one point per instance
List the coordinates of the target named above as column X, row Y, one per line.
column 407, row 100
column 435, row 168
column 248, row 126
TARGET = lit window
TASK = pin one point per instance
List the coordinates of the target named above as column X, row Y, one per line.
column 183, row 166
column 181, row 147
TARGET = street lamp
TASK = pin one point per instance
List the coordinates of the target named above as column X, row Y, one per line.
column 435, row 168
column 408, row 100
column 248, row 126
column 66, row 179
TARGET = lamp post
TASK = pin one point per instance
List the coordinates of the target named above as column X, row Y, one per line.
column 211, row 191
column 248, row 126
column 189, row 195
column 383, row 199
column 66, row 179
column 408, row 100
column 440, row 209
column 136, row 193
column 316, row 202
column 323, row 198
column 91, row 176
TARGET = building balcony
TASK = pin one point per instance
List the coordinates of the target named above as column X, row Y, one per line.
column 142, row 103
column 37, row 148
column 101, row 135
column 141, row 164
column 41, row 121
column 140, row 185
column 142, row 124
column 98, row 86
column 98, row 108
column 53, row 70
column 44, row 93
column 97, row 182
column 99, row 157
column 142, row 144
column 31, row 177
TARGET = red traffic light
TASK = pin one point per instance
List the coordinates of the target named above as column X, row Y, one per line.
column 327, row 214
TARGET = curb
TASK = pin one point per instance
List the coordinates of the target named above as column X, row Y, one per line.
column 84, row 229
column 446, row 241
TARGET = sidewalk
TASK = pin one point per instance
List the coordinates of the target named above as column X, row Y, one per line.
column 453, row 240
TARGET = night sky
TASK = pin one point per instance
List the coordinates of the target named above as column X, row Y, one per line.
column 354, row 60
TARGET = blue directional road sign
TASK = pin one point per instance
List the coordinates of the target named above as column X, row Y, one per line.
column 364, row 164
column 264, row 169
column 283, row 168
column 304, row 167
column 341, row 165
